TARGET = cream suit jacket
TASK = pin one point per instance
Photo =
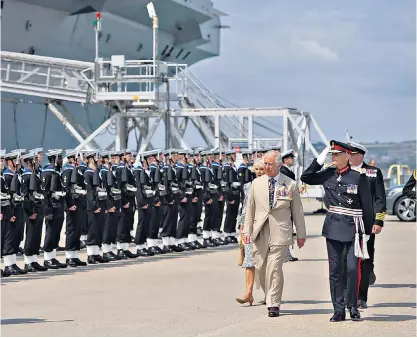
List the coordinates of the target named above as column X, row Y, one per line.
column 287, row 204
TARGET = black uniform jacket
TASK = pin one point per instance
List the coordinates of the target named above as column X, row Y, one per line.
column 376, row 184
column 350, row 191
column 287, row 172
column 409, row 189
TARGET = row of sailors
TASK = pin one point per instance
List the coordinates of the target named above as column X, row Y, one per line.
column 98, row 194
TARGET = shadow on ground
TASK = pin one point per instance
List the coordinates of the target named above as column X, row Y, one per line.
column 18, row 321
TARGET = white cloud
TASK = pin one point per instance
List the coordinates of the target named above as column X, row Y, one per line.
column 313, row 47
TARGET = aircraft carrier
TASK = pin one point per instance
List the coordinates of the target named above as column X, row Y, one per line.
column 189, row 31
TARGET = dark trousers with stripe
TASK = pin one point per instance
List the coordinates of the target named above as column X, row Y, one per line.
column 336, row 252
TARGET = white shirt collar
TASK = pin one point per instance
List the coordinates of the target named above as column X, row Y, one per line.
column 358, row 166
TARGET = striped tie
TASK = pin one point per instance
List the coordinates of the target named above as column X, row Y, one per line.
column 271, row 192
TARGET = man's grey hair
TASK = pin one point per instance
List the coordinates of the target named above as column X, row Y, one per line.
column 274, row 153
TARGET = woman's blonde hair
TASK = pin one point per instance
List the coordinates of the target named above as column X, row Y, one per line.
column 259, row 162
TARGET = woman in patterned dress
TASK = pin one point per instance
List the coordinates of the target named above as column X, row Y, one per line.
column 258, row 168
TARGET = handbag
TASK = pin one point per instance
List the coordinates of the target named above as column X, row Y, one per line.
column 241, row 251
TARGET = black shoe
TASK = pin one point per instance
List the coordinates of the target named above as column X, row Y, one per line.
column 292, row 259
column 228, row 240
column 71, row 262
column 362, row 304
column 354, row 313
column 130, row 254
column 273, row 311
column 91, row 260
column 80, row 262
column 83, row 245
column 121, row 254
column 219, row 241
column 20, row 252
column 198, row 245
column 39, row 267
column 4, row 274
column 372, row 278
column 111, row 256
column 30, row 268
column 184, row 247
column 167, row 249
column 14, row 270
column 208, row 243
column 52, row 264
column 338, row 317
column 158, row 249
column 189, row 246
column 100, row 259
column 176, row 248
column 61, row 265
column 193, row 245
column 142, row 253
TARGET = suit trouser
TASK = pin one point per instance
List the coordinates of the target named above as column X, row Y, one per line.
column 20, row 223
column 73, row 226
column 125, row 221
column 156, row 215
column 336, row 252
column 271, row 276
column 11, row 236
column 96, row 225
column 196, row 210
column 110, row 224
column 231, row 215
column 142, row 229
column 53, row 229
column 185, row 218
column 5, row 231
column 33, row 232
column 211, row 212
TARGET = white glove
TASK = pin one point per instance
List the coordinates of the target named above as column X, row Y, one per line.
column 322, row 157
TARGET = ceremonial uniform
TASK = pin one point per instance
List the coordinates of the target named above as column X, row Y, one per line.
column 75, row 208
column 377, row 188
column 95, row 222
column 53, row 208
column 221, row 191
column 233, row 200
column 349, row 200
column 125, row 176
column 13, row 217
column 409, row 189
column 33, row 210
column 82, row 167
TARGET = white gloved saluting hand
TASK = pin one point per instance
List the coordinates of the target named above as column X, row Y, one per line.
column 322, row 157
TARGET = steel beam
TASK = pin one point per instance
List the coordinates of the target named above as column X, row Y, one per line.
column 150, row 134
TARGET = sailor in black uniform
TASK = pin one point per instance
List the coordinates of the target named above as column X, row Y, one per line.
column 217, row 169
column 53, row 207
column 12, row 210
column 197, row 201
column 81, row 168
column 72, row 183
column 244, row 172
column 5, row 207
column 33, row 208
column 124, row 175
column 409, row 189
column 288, row 159
column 376, row 185
column 156, row 209
column 349, row 200
column 95, row 222
column 233, row 198
column 110, row 204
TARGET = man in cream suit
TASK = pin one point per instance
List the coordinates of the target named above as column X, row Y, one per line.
column 272, row 201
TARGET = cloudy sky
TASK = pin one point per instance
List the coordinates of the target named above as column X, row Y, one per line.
column 350, row 63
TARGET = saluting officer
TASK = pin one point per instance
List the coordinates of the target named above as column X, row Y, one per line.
column 33, row 208
column 376, row 185
column 12, row 210
column 349, row 200
column 53, row 205
column 233, row 198
column 409, row 189
column 75, row 200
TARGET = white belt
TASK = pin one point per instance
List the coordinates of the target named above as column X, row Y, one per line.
column 18, row 198
column 81, row 192
column 189, row 191
column 235, row 185
column 175, row 190
column 38, row 196
column 149, row 193
column 4, row 196
column 130, row 187
column 199, row 187
column 161, row 187
column 115, row 191
column 59, row 194
column 212, row 186
column 101, row 193
column 357, row 218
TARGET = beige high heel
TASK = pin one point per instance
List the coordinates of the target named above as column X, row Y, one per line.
column 245, row 300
